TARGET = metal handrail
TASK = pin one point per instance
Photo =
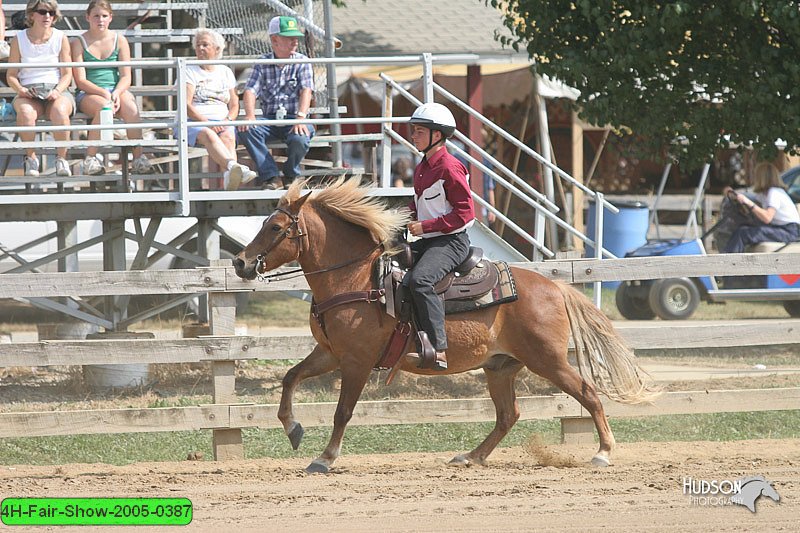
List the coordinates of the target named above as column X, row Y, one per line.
column 476, row 197
column 542, row 210
column 524, row 147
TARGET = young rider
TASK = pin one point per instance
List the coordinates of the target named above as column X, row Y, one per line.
column 443, row 210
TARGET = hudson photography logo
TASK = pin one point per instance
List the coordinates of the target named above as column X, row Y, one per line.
column 719, row 492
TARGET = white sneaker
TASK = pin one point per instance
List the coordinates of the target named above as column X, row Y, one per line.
column 93, row 167
column 141, row 165
column 248, row 175
column 233, row 177
column 31, row 166
column 5, row 50
column 62, row 167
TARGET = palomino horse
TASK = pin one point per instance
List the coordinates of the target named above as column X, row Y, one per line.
column 336, row 234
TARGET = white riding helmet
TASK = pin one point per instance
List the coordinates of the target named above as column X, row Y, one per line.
column 435, row 117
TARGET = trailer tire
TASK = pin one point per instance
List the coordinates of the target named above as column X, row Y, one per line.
column 792, row 307
column 632, row 307
column 674, row 298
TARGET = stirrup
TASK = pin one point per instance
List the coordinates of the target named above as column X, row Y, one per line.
column 439, row 362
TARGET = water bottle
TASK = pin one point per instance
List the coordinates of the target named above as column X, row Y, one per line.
column 107, row 119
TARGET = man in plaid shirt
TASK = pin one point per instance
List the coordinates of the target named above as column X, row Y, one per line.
column 284, row 92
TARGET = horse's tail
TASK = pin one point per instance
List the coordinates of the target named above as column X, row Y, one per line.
column 604, row 360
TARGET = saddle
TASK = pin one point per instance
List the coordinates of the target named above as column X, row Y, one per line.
column 474, row 284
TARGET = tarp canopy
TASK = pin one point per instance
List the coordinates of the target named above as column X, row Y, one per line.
column 503, row 84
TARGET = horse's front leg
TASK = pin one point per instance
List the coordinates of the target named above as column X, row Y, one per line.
column 354, row 376
column 319, row 361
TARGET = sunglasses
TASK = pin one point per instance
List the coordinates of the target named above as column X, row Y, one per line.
column 44, row 12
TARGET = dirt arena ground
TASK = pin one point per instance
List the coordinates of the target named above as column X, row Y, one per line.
column 641, row 491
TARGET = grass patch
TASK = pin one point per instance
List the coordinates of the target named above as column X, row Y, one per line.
column 429, row 438
column 276, row 310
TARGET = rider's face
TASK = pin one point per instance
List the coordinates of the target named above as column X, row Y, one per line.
column 421, row 137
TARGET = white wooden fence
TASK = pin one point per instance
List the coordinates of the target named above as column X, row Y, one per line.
column 222, row 349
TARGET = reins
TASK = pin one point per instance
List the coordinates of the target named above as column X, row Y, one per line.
column 277, row 276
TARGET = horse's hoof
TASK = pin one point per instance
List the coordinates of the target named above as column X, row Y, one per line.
column 460, row 460
column 316, row 468
column 601, row 461
column 296, row 435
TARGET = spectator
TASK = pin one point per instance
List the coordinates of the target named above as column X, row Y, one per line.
column 778, row 219
column 211, row 96
column 97, row 86
column 5, row 50
column 488, row 195
column 284, row 92
column 42, row 91
column 403, row 172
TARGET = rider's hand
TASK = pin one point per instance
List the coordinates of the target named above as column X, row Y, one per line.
column 415, row 228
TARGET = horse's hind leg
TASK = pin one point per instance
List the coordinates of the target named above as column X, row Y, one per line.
column 566, row 378
column 318, row 362
column 354, row 377
column 500, row 374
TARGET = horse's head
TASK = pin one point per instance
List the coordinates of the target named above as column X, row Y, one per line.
column 279, row 241
column 770, row 492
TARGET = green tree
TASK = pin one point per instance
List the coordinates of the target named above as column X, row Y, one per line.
column 709, row 72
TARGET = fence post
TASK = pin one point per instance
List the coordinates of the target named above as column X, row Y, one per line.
column 577, row 430
column 227, row 443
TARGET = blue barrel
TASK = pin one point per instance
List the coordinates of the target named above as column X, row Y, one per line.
column 622, row 232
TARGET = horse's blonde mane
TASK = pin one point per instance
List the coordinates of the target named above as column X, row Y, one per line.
column 348, row 200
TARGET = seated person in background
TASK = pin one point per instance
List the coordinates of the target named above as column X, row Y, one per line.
column 403, row 172
column 100, row 85
column 488, row 195
column 211, row 96
column 42, row 91
column 5, row 50
column 285, row 93
column 778, row 219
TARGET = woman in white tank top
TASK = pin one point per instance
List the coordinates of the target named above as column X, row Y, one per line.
column 42, row 91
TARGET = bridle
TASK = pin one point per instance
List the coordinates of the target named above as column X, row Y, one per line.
column 298, row 234
column 286, row 234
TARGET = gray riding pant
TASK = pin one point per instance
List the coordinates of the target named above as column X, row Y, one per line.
column 437, row 256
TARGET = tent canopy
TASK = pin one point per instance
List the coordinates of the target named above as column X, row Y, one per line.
column 503, row 83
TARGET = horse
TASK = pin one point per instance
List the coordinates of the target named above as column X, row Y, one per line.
column 336, row 233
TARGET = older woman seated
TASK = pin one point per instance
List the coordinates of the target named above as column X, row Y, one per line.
column 211, row 96
column 42, row 91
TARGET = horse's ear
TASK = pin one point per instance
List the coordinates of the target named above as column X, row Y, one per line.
column 297, row 204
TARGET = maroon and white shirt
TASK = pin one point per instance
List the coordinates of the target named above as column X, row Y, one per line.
column 442, row 197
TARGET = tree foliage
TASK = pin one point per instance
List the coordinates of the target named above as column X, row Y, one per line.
column 710, row 72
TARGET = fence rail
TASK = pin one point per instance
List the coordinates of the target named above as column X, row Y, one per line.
column 209, row 279
column 381, row 412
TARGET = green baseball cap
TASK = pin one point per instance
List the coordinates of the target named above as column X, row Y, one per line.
column 285, row 27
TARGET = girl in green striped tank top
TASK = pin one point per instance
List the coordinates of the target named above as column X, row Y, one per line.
column 102, row 84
